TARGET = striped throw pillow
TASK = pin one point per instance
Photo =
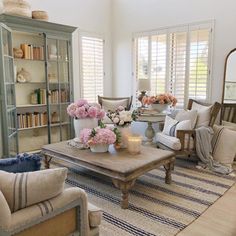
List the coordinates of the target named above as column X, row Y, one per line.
column 25, row 189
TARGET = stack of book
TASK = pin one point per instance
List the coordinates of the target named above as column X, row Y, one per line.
column 32, row 52
column 54, row 97
column 29, row 120
column 38, row 96
column 64, row 95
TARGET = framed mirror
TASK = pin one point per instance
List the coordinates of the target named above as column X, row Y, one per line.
column 228, row 112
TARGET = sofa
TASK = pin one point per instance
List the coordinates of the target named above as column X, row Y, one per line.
column 62, row 211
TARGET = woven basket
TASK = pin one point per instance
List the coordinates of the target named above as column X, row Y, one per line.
column 40, row 15
column 17, row 7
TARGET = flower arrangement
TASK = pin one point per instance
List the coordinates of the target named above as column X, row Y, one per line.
column 165, row 98
column 81, row 109
column 98, row 135
column 121, row 117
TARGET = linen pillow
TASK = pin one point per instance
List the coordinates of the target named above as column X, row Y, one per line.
column 112, row 105
column 188, row 115
column 224, row 145
column 204, row 114
column 171, row 126
column 25, row 189
column 229, row 125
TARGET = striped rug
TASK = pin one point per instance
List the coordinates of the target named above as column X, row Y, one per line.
column 155, row 208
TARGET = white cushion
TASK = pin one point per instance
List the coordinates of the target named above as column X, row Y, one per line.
column 171, row 126
column 5, row 213
column 204, row 114
column 224, row 145
column 25, row 189
column 173, row 142
column 169, row 141
column 112, row 105
column 187, row 115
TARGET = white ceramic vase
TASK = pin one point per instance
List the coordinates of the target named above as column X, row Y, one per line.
column 80, row 124
column 159, row 107
column 99, row 148
column 125, row 131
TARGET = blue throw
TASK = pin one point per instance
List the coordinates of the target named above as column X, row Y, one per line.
column 21, row 163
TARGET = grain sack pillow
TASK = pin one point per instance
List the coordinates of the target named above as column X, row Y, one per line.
column 25, row 189
column 224, row 145
column 171, row 126
column 188, row 115
column 204, row 114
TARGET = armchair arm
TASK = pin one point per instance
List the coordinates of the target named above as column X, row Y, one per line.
column 38, row 213
column 5, row 213
column 185, row 135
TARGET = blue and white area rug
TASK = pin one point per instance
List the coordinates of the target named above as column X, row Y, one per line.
column 155, row 208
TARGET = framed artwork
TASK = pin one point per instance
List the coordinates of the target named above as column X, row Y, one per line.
column 230, row 91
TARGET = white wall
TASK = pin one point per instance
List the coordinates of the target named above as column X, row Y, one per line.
column 141, row 15
column 87, row 15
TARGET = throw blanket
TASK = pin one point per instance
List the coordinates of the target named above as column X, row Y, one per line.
column 204, row 150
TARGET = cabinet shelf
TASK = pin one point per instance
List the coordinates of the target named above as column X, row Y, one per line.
column 45, row 126
column 24, row 59
column 39, row 82
column 30, row 105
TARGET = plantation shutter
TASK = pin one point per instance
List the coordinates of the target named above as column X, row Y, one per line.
column 177, row 66
column 198, row 63
column 142, row 58
column 158, row 64
column 92, row 60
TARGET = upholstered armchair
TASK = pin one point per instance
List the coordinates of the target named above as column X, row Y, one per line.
column 66, row 212
column 180, row 136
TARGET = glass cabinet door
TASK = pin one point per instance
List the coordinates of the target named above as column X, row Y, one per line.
column 8, row 101
column 59, row 90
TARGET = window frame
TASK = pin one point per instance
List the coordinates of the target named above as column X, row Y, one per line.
column 209, row 24
column 82, row 34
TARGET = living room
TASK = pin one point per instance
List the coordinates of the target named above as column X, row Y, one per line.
column 154, row 81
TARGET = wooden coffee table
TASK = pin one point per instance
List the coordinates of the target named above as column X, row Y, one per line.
column 122, row 167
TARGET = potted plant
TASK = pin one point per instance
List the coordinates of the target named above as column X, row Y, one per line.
column 86, row 115
column 98, row 139
column 160, row 102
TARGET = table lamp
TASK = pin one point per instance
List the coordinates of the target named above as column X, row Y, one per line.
column 143, row 87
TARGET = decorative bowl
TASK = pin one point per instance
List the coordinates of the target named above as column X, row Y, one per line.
column 159, row 107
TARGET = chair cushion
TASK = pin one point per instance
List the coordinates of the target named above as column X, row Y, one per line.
column 187, row 115
column 25, row 189
column 21, row 163
column 229, row 125
column 169, row 141
column 95, row 215
column 5, row 213
column 223, row 143
column 204, row 114
column 112, row 105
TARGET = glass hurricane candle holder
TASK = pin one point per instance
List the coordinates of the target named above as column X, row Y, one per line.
column 134, row 144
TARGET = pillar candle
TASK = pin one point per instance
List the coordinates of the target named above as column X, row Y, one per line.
column 134, row 144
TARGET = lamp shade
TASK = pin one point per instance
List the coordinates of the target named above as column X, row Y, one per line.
column 144, row 85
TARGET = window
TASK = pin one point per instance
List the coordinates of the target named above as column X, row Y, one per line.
column 92, row 67
column 176, row 60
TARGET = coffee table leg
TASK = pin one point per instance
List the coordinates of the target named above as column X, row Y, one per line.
column 47, row 161
column 168, row 167
column 124, row 187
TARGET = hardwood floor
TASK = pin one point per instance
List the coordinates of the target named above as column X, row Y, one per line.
column 218, row 220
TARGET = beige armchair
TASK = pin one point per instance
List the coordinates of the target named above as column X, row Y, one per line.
column 70, row 214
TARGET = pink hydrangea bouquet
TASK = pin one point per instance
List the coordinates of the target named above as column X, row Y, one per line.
column 82, row 109
column 121, row 117
column 165, row 98
column 98, row 135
